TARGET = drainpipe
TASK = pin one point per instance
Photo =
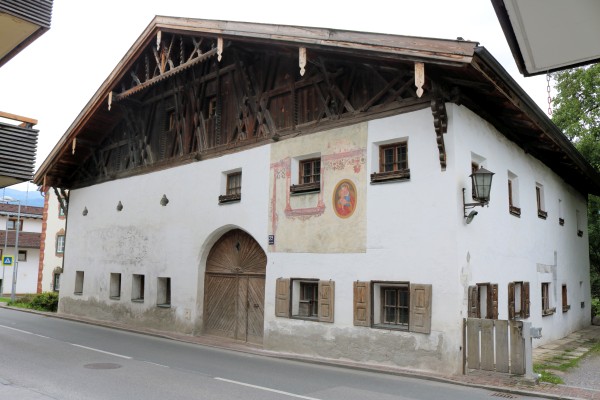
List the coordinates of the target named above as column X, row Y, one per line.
column 16, row 268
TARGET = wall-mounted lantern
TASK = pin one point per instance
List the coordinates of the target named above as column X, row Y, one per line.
column 481, row 181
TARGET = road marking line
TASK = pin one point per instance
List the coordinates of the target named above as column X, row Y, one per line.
column 158, row 365
column 100, row 351
column 266, row 389
column 18, row 330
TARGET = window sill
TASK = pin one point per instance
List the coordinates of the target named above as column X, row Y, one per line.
column 566, row 308
column 229, row 198
column 78, row 293
column 516, row 211
column 302, row 188
column 114, row 297
column 579, row 233
column 390, row 176
column 391, row 327
column 542, row 214
column 315, row 319
column 137, row 300
column 163, row 305
column 550, row 311
column 561, row 221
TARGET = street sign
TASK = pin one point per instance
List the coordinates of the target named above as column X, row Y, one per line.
column 7, row 261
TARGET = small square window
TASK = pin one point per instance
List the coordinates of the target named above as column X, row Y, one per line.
column 137, row 288
column 309, row 175
column 393, row 163
column 233, row 188
column 163, row 295
column 115, row 286
column 578, row 222
column 22, row 255
column 78, row 282
column 513, row 195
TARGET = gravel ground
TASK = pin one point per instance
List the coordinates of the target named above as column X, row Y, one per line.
column 586, row 375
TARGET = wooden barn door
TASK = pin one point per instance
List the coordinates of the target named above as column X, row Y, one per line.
column 234, row 288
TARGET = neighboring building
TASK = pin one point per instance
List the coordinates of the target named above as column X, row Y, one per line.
column 304, row 188
column 28, row 250
column 21, row 22
column 52, row 246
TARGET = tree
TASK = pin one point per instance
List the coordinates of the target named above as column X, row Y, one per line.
column 577, row 113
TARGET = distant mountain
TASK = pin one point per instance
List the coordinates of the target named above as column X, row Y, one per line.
column 31, row 198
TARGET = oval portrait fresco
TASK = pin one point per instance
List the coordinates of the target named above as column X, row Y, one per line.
column 344, row 198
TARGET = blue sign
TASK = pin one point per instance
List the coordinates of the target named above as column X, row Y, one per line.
column 7, row 261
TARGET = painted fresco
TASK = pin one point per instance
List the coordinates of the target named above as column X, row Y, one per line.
column 331, row 219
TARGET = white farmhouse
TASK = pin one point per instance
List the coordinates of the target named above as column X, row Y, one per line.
column 53, row 241
column 303, row 189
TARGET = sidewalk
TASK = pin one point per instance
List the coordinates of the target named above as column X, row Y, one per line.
column 574, row 345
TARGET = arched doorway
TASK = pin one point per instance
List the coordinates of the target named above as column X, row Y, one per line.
column 234, row 288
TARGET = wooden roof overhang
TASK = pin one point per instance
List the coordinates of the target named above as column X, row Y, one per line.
column 463, row 73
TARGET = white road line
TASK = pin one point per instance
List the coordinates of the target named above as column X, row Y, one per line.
column 100, row 351
column 267, row 389
column 22, row 331
column 155, row 364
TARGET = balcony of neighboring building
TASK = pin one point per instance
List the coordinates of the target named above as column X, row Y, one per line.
column 18, row 143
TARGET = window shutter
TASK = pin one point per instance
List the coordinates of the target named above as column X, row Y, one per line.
column 511, row 300
column 473, row 302
column 525, row 299
column 326, row 303
column 494, row 301
column 282, row 298
column 362, row 303
column 420, row 308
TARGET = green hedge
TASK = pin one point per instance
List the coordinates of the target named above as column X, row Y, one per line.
column 47, row 301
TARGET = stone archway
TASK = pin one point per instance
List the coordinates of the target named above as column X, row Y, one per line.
column 234, row 288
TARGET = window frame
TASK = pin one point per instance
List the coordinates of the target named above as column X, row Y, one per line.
column 314, row 179
column 13, row 226
column 539, row 197
column 24, row 253
column 565, row 298
column 300, row 288
column 546, row 300
column 399, row 167
column 519, row 294
column 367, row 311
column 490, row 303
column 402, row 305
column 287, row 299
column 60, row 249
column 233, row 187
column 512, row 208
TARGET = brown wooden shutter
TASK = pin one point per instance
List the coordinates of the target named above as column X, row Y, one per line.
column 362, row 303
column 473, row 302
column 493, row 296
column 511, row 300
column 525, row 299
column 282, row 298
column 326, row 300
column 420, row 308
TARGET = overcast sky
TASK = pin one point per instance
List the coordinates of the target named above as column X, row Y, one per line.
column 53, row 78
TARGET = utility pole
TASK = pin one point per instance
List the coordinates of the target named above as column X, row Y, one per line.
column 16, row 268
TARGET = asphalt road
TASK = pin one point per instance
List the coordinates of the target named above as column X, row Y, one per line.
column 49, row 358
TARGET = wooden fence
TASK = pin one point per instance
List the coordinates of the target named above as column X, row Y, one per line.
column 494, row 345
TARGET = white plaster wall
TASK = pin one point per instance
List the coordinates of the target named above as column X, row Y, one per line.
column 498, row 247
column 54, row 224
column 160, row 241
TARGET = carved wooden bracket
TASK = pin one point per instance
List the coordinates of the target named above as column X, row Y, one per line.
column 419, row 77
column 302, row 60
column 219, row 48
column 440, row 123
